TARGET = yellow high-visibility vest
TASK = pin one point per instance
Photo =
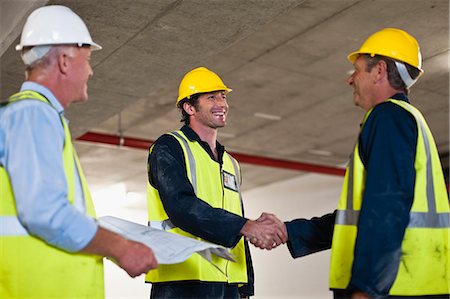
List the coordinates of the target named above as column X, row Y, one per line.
column 425, row 260
column 207, row 180
column 31, row 268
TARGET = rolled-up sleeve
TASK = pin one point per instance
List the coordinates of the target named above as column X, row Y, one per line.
column 34, row 141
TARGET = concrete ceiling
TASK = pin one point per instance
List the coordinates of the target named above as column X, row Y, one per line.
column 284, row 58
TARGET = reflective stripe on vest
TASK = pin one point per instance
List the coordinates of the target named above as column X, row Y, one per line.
column 430, row 219
column 425, row 253
column 24, row 258
column 416, row 219
column 162, row 225
column 191, row 161
column 11, row 226
column 167, row 224
column 207, row 183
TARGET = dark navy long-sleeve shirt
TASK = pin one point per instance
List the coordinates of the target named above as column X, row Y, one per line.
column 387, row 149
column 167, row 173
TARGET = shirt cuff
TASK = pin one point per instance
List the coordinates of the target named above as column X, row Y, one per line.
column 82, row 231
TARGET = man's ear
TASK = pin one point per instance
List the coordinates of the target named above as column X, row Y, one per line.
column 190, row 109
column 380, row 70
column 63, row 62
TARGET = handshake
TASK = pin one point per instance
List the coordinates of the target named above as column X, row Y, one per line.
column 266, row 232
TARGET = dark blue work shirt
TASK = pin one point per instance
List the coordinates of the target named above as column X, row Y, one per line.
column 167, row 173
column 387, row 149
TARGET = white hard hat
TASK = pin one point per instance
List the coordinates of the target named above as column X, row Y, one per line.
column 55, row 25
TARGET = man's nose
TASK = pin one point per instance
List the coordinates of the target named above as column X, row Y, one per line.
column 350, row 80
column 220, row 99
column 91, row 71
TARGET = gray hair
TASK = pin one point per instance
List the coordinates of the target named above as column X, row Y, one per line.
column 45, row 58
column 395, row 80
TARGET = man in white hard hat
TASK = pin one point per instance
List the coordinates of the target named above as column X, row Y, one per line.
column 50, row 242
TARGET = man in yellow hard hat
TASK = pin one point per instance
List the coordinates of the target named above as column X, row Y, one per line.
column 51, row 246
column 391, row 232
column 194, row 190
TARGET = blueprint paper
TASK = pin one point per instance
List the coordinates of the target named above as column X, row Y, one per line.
column 168, row 248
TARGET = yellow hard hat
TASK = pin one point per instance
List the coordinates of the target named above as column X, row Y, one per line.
column 393, row 43
column 200, row 80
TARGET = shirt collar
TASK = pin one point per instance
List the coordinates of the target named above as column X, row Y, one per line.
column 194, row 137
column 401, row 97
column 29, row 85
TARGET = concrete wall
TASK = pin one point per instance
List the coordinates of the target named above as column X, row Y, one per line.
column 277, row 274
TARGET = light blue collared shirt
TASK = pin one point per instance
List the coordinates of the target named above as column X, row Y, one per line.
column 31, row 147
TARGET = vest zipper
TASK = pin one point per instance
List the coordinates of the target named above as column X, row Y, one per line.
column 223, row 188
column 223, row 207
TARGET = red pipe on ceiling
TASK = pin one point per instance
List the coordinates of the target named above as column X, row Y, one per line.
column 104, row 138
column 138, row 143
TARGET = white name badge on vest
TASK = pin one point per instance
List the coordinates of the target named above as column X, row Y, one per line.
column 229, row 181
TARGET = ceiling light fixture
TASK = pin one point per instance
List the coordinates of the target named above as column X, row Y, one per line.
column 267, row 116
column 320, row 153
column 225, row 135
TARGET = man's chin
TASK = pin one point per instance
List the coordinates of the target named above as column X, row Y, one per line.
column 81, row 100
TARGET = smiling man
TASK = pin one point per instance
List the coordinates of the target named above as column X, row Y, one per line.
column 194, row 190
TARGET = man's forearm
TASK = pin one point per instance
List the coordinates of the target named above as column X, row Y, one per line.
column 134, row 257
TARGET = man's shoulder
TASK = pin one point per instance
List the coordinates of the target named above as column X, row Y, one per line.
column 390, row 110
column 166, row 138
column 389, row 117
column 34, row 106
column 387, row 106
column 166, row 142
column 166, row 148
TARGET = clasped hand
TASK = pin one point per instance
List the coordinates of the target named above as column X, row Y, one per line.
column 267, row 232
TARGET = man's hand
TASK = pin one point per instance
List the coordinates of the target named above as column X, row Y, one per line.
column 134, row 257
column 267, row 232
column 360, row 295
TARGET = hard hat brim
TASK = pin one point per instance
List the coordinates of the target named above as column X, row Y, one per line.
column 94, row 46
column 227, row 90
column 354, row 55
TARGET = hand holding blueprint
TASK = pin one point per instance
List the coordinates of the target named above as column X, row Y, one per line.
column 168, row 248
